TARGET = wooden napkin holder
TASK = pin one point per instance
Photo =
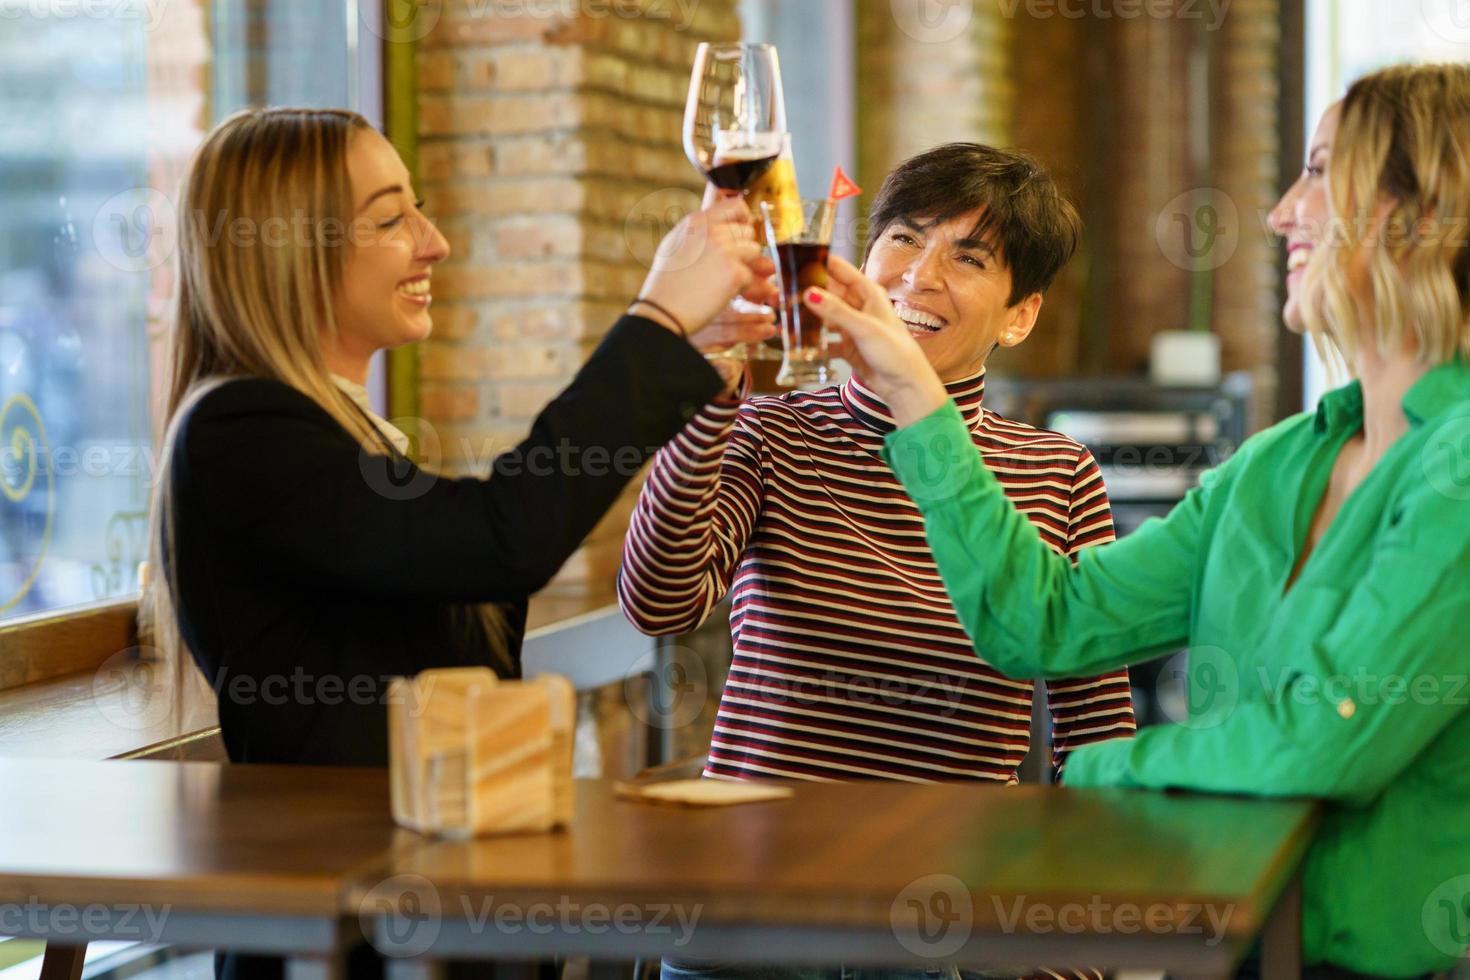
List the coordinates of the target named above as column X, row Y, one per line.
column 471, row 755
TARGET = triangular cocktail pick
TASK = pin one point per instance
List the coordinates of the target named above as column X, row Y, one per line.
column 842, row 187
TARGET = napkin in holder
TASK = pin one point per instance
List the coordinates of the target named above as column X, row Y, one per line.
column 471, row 755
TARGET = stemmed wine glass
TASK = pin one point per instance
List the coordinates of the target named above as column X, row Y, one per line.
column 734, row 122
column 735, row 116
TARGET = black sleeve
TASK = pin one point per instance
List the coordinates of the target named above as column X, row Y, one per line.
column 271, row 479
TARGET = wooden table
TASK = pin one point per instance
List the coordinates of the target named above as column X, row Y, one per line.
column 253, row 858
column 300, row 861
column 867, row 874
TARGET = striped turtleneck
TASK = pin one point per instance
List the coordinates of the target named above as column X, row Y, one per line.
column 849, row 661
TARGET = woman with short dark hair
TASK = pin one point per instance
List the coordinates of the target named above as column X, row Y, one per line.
column 849, row 661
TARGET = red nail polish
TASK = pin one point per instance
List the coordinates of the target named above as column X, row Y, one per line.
column 814, row 298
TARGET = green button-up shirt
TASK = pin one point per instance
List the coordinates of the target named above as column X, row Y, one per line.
column 1350, row 686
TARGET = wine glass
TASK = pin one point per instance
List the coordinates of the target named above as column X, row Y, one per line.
column 735, row 116
column 734, row 123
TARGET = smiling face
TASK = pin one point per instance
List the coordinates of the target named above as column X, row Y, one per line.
column 384, row 297
column 951, row 290
column 1303, row 216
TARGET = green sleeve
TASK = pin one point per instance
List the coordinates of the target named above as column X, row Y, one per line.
column 1356, row 704
column 1031, row 611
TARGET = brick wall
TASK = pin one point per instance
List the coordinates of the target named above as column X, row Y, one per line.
column 541, row 137
column 924, row 79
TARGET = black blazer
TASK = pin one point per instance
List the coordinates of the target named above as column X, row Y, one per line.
column 310, row 572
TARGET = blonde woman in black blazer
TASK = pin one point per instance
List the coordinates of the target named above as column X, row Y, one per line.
column 305, row 559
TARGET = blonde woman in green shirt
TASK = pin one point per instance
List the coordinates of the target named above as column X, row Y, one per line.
column 1320, row 577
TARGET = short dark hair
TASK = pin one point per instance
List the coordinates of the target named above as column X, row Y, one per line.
column 1032, row 226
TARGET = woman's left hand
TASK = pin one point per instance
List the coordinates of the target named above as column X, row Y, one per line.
column 878, row 344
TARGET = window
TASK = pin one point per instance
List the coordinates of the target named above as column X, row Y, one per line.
column 1346, row 39
column 102, row 106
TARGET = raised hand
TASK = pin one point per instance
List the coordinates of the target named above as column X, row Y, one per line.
column 877, row 343
column 701, row 265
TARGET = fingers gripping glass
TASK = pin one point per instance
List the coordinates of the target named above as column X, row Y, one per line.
column 735, row 128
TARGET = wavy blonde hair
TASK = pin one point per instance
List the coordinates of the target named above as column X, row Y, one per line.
column 264, row 210
column 1403, row 135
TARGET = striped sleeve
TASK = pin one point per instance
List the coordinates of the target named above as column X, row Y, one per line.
column 1088, row 709
column 693, row 519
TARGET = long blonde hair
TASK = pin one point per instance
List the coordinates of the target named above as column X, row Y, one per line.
column 1404, row 134
column 263, row 218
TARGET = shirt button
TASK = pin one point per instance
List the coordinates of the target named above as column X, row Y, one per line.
column 1346, row 708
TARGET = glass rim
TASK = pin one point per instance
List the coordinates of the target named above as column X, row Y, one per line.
column 810, row 207
column 734, row 46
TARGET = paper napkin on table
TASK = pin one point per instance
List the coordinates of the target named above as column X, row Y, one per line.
column 704, row 792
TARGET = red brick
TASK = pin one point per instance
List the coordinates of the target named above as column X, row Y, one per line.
column 534, row 323
column 451, row 362
column 478, row 22
column 505, row 197
column 526, row 68
column 599, row 70
column 462, row 281
column 533, row 362
column 547, row 236
column 570, row 322
column 453, row 115
column 436, row 161
column 461, row 159
column 536, row 155
column 436, row 71
column 453, row 321
column 525, row 399
column 449, row 402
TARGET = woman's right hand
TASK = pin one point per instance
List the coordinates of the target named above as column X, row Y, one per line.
column 889, row 359
column 706, row 260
